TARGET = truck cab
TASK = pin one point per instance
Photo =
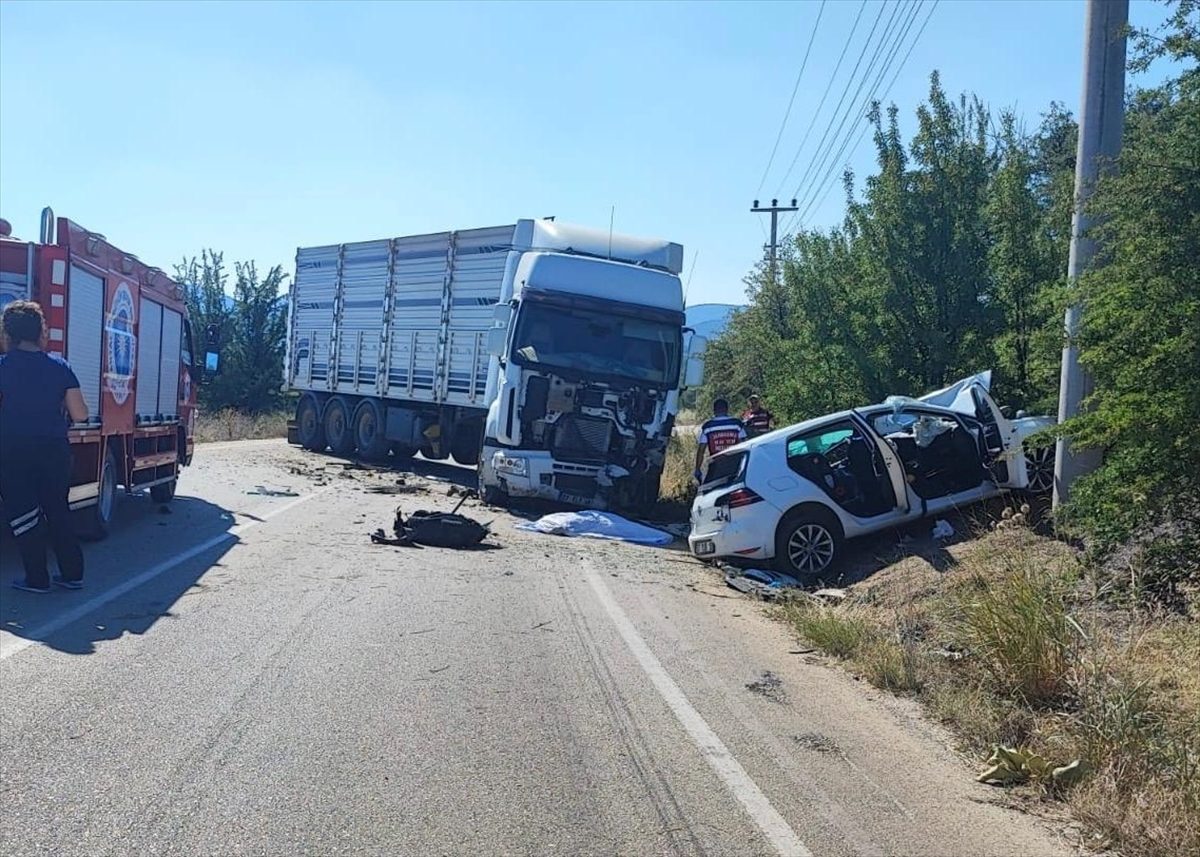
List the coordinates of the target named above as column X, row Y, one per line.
column 592, row 353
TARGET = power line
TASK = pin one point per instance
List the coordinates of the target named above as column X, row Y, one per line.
column 845, row 90
column 856, row 107
column 818, row 163
column 796, row 88
column 882, row 97
column 813, row 121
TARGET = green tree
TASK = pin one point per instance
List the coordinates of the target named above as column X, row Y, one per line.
column 252, row 324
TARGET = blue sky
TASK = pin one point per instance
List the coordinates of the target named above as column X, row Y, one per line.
column 259, row 127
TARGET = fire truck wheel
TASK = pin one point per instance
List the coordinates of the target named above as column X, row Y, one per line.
column 97, row 519
column 338, row 430
column 310, row 429
column 369, row 432
column 164, row 492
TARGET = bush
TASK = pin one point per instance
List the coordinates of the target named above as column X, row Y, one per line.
column 231, row 424
column 834, row 631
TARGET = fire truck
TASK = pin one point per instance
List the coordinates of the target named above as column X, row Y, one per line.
column 123, row 327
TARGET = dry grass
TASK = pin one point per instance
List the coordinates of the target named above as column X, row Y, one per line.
column 678, row 482
column 1008, row 646
column 230, row 424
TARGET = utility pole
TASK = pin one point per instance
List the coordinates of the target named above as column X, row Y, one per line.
column 1101, row 121
column 774, row 208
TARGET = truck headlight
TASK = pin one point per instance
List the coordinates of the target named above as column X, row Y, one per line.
column 514, row 465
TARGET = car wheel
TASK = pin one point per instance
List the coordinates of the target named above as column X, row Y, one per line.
column 338, row 430
column 1039, row 466
column 309, row 429
column 808, row 543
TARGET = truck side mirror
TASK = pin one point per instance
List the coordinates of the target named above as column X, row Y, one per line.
column 502, row 314
column 497, row 339
column 693, row 372
column 212, row 349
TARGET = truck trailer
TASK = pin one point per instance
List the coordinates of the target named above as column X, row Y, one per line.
column 549, row 356
column 123, row 327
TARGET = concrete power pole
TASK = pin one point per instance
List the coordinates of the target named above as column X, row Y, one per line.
column 1101, row 121
column 774, row 208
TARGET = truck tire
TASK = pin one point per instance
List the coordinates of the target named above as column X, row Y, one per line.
column 96, row 520
column 402, row 452
column 310, row 430
column 164, row 492
column 468, row 440
column 369, row 431
column 339, row 432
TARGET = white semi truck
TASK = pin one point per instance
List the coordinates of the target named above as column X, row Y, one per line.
column 549, row 356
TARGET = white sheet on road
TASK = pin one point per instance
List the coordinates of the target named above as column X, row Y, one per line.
column 596, row 525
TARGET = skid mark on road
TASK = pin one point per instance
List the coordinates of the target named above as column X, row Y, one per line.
column 773, row 825
column 13, row 646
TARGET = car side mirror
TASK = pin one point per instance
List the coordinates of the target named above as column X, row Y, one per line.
column 497, row 339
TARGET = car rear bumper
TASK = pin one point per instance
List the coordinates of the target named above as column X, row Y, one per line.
column 732, row 539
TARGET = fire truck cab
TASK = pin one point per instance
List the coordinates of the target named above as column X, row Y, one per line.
column 123, row 327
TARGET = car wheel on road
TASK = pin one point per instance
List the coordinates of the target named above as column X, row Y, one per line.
column 1039, row 465
column 338, row 430
column 309, row 429
column 369, row 432
column 808, row 543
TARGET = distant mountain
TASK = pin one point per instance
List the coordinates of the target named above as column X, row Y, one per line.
column 708, row 320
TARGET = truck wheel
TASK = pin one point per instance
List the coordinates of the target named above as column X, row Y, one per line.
column 338, row 430
column 493, row 495
column 402, row 451
column 808, row 543
column 369, row 432
column 467, row 440
column 309, row 428
column 164, row 492
column 97, row 519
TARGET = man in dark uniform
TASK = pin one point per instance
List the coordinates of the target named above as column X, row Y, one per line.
column 37, row 393
column 757, row 419
column 721, row 432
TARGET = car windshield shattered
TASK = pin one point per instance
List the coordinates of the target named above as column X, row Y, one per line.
column 571, row 338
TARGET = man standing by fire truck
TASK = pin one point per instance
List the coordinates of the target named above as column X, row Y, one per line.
column 37, row 394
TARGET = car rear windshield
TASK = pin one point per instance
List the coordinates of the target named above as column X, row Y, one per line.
column 723, row 469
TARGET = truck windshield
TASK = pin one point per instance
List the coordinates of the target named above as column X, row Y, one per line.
column 590, row 341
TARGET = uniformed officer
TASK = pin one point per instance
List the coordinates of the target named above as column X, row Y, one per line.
column 757, row 419
column 37, row 394
column 718, row 433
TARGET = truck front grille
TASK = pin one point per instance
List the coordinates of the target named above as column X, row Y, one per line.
column 582, row 437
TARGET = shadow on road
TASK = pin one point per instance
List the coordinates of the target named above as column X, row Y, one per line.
column 121, row 594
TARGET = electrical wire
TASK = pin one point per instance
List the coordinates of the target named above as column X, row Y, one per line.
column 826, row 164
column 795, row 88
column 862, row 133
column 828, row 86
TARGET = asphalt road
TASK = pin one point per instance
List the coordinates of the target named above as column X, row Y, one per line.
column 249, row 675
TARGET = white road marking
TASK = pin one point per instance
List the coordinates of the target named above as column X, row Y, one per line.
column 10, row 646
column 724, row 765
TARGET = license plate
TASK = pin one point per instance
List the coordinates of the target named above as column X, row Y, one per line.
column 575, row 499
column 705, row 548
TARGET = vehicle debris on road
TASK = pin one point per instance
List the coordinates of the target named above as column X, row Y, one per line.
column 596, row 525
column 434, row 529
column 942, row 530
column 769, row 585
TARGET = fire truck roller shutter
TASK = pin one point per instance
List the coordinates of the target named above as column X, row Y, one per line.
column 85, row 329
column 149, row 351
column 168, row 381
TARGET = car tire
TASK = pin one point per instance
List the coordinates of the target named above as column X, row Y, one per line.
column 339, row 431
column 808, row 543
column 310, row 431
column 1039, row 467
column 369, row 432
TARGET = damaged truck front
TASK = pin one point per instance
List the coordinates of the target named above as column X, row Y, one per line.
column 552, row 356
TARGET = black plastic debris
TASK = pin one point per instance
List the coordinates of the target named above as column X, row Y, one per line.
column 768, row 585
column 434, row 529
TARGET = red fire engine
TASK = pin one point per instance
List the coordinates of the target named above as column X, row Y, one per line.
column 123, row 327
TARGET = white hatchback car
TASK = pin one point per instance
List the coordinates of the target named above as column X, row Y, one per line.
column 795, row 495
